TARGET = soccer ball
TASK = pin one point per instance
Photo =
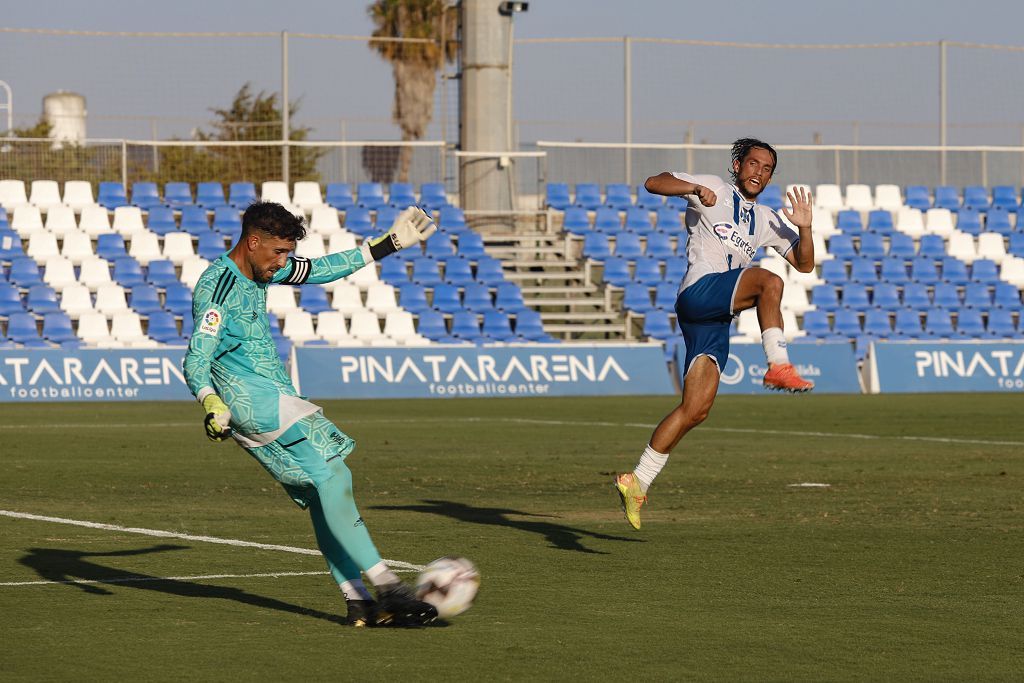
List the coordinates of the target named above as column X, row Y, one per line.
column 449, row 584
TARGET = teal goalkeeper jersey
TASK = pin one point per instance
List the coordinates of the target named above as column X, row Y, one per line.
column 233, row 354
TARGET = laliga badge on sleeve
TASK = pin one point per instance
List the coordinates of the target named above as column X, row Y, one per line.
column 210, row 324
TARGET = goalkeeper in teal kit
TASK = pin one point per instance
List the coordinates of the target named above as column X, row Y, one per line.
column 233, row 369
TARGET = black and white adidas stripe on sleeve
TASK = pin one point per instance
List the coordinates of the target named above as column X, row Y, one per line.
column 301, row 268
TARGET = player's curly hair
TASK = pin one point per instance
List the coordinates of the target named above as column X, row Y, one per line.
column 741, row 148
column 273, row 219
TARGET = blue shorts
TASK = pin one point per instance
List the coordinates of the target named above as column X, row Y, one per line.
column 704, row 310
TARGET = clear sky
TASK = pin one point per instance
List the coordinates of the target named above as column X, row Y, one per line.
column 562, row 91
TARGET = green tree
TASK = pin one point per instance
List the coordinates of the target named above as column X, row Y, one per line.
column 414, row 64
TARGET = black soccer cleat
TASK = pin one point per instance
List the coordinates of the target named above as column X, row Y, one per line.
column 397, row 606
column 361, row 613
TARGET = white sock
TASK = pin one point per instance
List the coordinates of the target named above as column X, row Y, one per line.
column 774, row 343
column 355, row 590
column 380, row 575
column 650, row 464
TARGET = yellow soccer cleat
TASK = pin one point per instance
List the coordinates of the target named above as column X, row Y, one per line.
column 631, row 497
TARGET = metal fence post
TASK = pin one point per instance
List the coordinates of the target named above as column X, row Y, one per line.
column 285, row 106
column 628, row 104
column 124, row 164
column 942, row 111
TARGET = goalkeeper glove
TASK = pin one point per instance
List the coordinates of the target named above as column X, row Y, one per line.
column 411, row 227
column 218, row 418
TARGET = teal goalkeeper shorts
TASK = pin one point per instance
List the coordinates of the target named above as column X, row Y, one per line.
column 302, row 458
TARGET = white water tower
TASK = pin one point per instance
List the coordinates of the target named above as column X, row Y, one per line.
column 65, row 112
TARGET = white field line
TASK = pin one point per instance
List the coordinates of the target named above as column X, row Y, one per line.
column 138, row 579
column 570, row 423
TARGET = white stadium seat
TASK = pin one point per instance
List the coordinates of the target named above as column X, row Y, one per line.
column 42, row 245
column 827, row 196
column 93, row 330
column 938, row 222
column 888, row 197
column 12, row 194
column 94, row 221
column 192, row 269
column 858, row 198
column 364, row 277
column 1012, row 271
column 60, row 220
column 60, row 273
column 365, row 327
column 307, row 195
column 398, row 325
column 76, row 246
column 347, row 299
column 128, row 221
column 791, row 329
column 110, row 298
column 94, row 272
column 126, row 327
column 275, row 191
column 177, row 247
column 145, row 247
column 991, row 246
column 341, row 241
column 324, row 220
column 910, row 221
column 961, row 246
column 794, row 298
column 76, row 300
column 748, row 327
column 312, row 246
column 44, row 194
column 26, row 220
column 78, row 195
column 281, row 299
column 330, row 326
column 298, row 326
column 380, row 298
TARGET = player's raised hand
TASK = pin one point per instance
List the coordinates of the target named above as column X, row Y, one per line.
column 705, row 195
column 800, row 214
column 411, row 227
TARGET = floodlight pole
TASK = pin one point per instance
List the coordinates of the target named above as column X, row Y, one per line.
column 9, row 107
column 942, row 111
column 285, row 124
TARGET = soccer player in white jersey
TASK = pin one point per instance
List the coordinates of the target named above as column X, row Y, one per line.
column 726, row 227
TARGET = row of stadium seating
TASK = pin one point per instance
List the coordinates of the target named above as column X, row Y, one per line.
column 830, row 197
column 306, row 195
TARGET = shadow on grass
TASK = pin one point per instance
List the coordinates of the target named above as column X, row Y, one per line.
column 558, row 535
column 73, row 567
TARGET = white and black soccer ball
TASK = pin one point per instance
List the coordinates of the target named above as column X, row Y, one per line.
column 449, row 584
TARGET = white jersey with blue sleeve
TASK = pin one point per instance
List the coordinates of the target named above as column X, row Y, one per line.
column 726, row 236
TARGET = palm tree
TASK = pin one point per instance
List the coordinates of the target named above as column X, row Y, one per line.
column 414, row 64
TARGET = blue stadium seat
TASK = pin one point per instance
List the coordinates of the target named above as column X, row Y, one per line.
column 433, row 196
column 128, row 272
column 917, row 197
column 847, row 323
column 425, row 271
column 825, row 297
column 10, row 245
column 872, row 245
column 413, row 297
column 954, row 271
column 985, row 270
column 908, row 324
column 880, row 221
column 939, row 324
column 41, row 299
column 998, row 220
column 57, row 328
column 226, row 221
column 645, row 199
column 477, row 297
column 394, row 270
column 160, row 220
column 22, row 329
column 877, row 324
column 24, row 272
column 1006, row 295
column 617, row 196
column 458, row 271
column 772, row 197
column 675, row 270
column 557, row 196
column 339, row 195
column 163, row 328
column 313, row 298
column 841, row 246
column 607, row 220
column 627, row 245
column 849, row 221
column 886, row 296
column 647, row 271
column 241, row 194
column 471, row 245
column 576, row 221
column 489, row 271
column 588, row 195
column 178, row 300
column 947, row 197
column 110, row 246
column 529, row 326
column 451, row 218
column 969, row 324
column 210, row 195
column 211, row 245
column 894, row 270
column 637, row 297
column 439, row 246
column 145, row 195
column 357, row 220
column 669, row 221
column 932, row 246
column 446, row 298
column 816, row 324
column 947, row 296
column 616, row 271
column 1016, row 247
column 659, row 246
column 657, row 325
column 1000, row 324
column 902, row 246
column 145, row 300
column 497, row 326
column 509, row 298
column 969, row 221
column 834, row 271
column 160, row 273
column 432, row 326
column 466, row 326
column 401, row 195
column 665, row 295
column 370, row 195
column 915, row 296
column 977, row 295
column 1005, row 197
column 386, row 215
column 177, row 194
column 855, row 297
column 976, row 197
column 638, row 220
column 194, row 220
column 924, row 269
column 10, row 299
column 863, row 270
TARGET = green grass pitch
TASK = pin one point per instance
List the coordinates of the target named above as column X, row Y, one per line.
column 907, row 567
